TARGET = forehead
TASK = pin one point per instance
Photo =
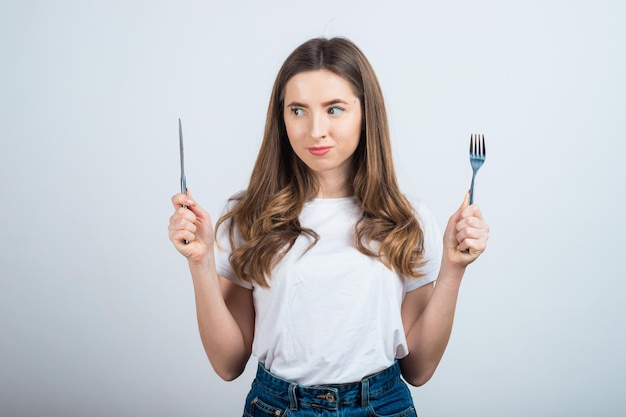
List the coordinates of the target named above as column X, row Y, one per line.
column 317, row 85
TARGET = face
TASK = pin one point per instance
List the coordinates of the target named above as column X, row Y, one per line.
column 323, row 120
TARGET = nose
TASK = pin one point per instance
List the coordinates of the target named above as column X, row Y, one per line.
column 318, row 128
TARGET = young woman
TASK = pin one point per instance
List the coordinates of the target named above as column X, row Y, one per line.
column 324, row 270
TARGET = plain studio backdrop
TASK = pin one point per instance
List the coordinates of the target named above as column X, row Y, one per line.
column 97, row 313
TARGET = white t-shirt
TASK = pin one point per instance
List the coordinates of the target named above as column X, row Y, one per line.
column 332, row 314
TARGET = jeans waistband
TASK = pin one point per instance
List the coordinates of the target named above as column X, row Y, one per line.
column 327, row 396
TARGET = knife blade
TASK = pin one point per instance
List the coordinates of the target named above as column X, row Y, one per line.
column 183, row 179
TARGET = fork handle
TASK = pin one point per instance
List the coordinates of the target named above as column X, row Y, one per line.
column 471, row 198
column 471, row 192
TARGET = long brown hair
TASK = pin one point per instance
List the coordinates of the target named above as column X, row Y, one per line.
column 265, row 217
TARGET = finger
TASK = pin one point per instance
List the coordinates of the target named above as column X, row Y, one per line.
column 474, row 246
column 180, row 223
column 477, row 212
column 181, row 237
column 470, row 222
column 182, row 220
column 472, row 211
column 475, row 239
column 182, row 213
column 466, row 246
column 472, row 228
column 468, row 233
column 179, row 200
column 198, row 211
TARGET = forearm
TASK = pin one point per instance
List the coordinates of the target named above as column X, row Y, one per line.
column 429, row 335
column 220, row 333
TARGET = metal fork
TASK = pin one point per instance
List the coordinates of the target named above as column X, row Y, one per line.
column 477, row 154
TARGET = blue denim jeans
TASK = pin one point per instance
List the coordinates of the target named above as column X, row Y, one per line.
column 383, row 394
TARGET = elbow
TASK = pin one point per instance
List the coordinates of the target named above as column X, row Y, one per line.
column 229, row 374
column 228, row 371
column 228, row 377
column 418, row 380
column 416, row 375
column 228, row 367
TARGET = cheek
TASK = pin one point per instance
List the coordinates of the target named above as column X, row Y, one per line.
column 294, row 131
column 294, row 136
column 350, row 133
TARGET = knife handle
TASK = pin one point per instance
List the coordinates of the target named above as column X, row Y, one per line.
column 183, row 190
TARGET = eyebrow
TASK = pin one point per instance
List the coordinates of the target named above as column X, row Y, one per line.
column 325, row 104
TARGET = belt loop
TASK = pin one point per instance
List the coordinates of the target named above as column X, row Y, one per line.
column 293, row 402
column 365, row 393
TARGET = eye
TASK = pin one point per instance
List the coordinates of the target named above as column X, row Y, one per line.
column 335, row 111
column 297, row 111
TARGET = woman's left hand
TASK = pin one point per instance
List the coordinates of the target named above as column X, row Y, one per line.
column 466, row 235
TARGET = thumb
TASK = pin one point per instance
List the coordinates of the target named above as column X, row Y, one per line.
column 196, row 208
column 191, row 199
column 450, row 233
column 465, row 201
column 464, row 204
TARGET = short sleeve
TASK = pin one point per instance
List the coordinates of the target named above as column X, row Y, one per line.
column 433, row 247
column 223, row 251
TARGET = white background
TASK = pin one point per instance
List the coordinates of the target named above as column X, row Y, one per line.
column 96, row 307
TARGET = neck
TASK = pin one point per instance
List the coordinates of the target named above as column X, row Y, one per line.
column 333, row 188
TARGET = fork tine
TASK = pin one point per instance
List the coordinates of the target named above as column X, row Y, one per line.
column 477, row 145
column 484, row 152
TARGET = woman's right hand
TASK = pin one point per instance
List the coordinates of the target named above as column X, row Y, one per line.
column 193, row 225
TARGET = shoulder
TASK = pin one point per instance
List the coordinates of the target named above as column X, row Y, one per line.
column 421, row 210
column 233, row 201
column 426, row 218
column 432, row 242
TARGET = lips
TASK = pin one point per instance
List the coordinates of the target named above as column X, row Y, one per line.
column 319, row 150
